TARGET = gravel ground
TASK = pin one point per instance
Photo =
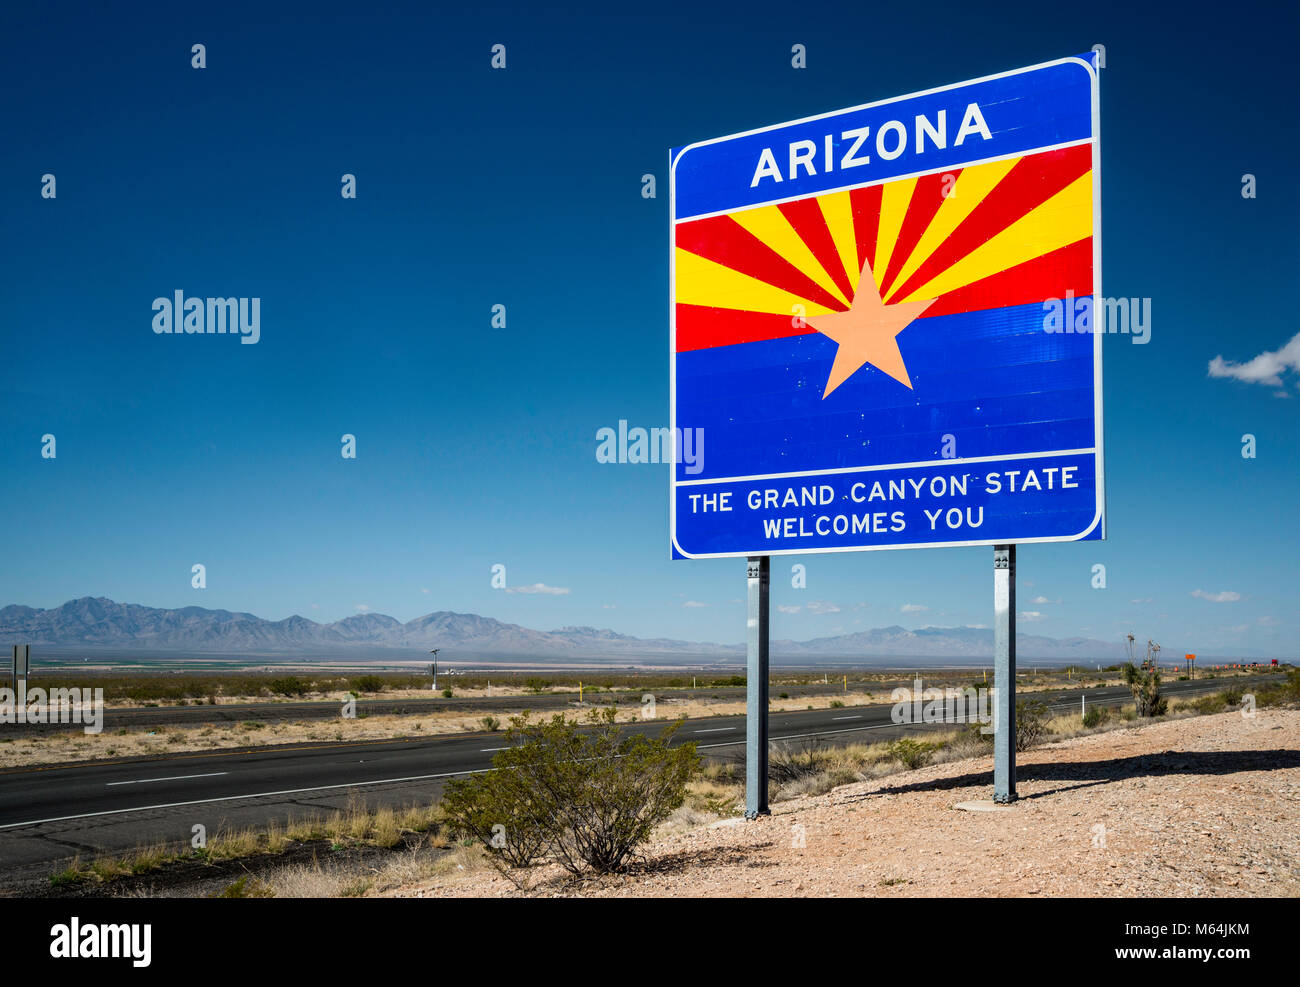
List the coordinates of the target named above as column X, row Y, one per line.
column 1207, row 806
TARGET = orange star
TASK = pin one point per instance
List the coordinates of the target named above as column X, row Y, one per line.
column 866, row 333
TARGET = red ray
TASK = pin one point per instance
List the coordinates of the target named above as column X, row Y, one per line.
column 807, row 219
column 723, row 240
column 700, row 327
column 1030, row 183
column 866, row 222
column 1068, row 268
column 927, row 197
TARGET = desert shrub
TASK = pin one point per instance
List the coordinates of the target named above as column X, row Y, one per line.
column 490, row 724
column 368, row 683
column 1282, row 694
column 1092, row 717
column 587, row 798
column 290, row 685
column 973, row 737
column 789, row 762
column 1031, row 723
column 537, row 685
column 911, row 753
column 1145, row 686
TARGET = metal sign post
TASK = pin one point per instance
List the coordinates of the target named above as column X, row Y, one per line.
column 1004, row 673
column 759, row 578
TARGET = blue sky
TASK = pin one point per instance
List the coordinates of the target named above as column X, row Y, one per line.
column 522, row 187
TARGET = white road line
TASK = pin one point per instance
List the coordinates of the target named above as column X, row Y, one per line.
column 846, row 717
column 146, row 781
column 718, row 730
column 489, row 750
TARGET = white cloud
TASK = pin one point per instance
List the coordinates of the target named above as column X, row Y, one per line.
column 1040, row 599
column 1225, row 596
column 1031, row 616
column 609, row 606
column 424, row 590
column 1266, row 369
column 694, row 603
column 913, row 608
column 822, row 607
column 1141, row 599
column 540, row 588
column 1269, row 621
column 788, row 609
column 363, row 608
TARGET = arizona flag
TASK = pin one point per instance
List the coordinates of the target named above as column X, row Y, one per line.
column 895, row 328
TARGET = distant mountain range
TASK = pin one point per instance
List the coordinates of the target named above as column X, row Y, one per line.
column 98, row 624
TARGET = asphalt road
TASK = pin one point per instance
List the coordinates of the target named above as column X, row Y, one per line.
column 52, row 813
column 267, row 712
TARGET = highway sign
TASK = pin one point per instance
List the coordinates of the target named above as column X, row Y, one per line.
column 882, row 332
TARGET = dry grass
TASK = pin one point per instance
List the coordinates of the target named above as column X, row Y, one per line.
column 353, row 826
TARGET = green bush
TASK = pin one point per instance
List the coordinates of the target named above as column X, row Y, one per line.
column 369, row 683
column 1145, row 686
column 537, row 685
column 911, row 753
column 290, row 685
column 586, row 798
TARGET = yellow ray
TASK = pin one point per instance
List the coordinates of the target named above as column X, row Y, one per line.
column 1063, row 219
column 705, row 282
column 972, row 185
column 770, row 225
column 837, row 210
column 894, row 199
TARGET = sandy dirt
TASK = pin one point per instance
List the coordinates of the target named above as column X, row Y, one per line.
column 1207, row 806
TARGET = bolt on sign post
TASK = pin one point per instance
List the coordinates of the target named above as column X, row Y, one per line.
column 882, row 322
